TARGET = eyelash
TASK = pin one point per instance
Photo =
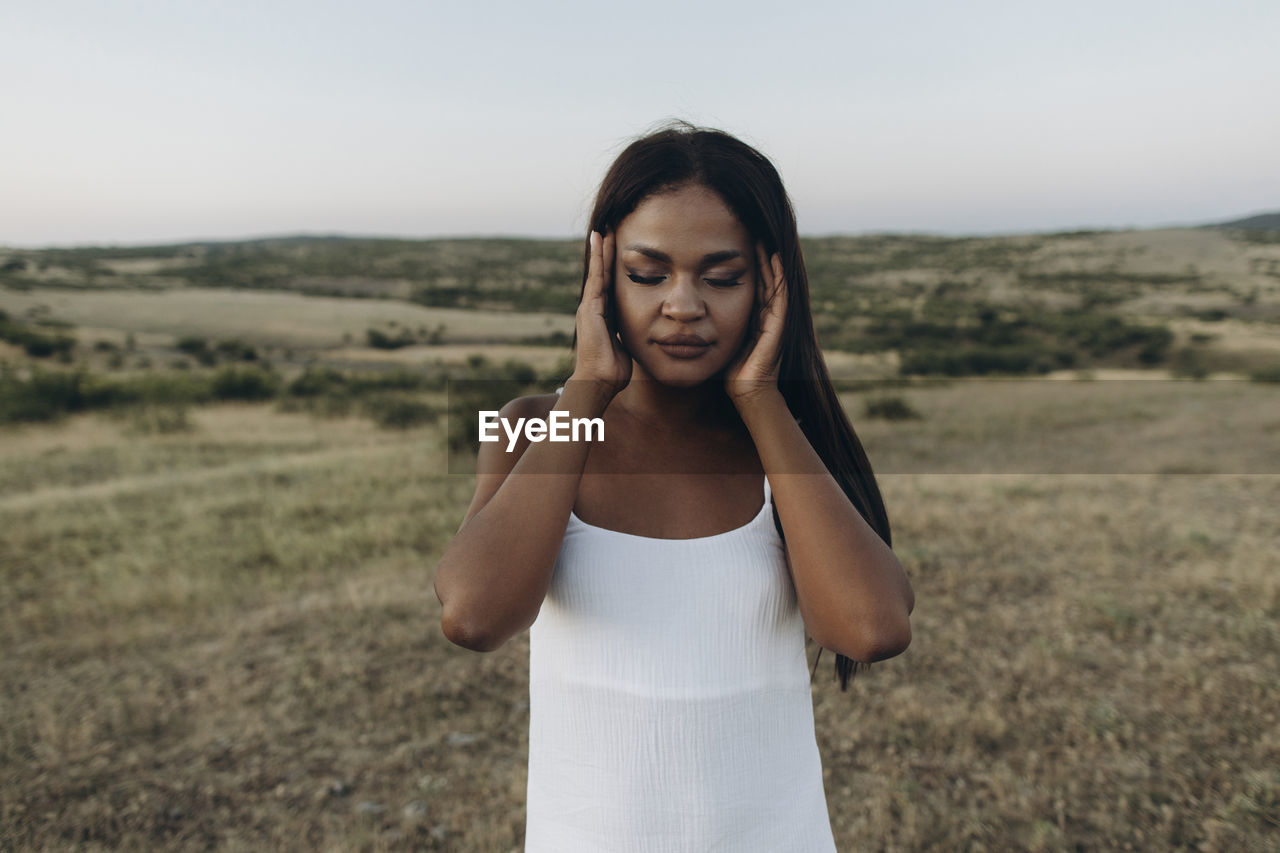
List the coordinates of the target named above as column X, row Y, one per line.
column 717, row 282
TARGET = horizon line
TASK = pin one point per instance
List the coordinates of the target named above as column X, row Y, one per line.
column 351, row 235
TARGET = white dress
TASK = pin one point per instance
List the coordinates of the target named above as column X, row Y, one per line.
column 669, row 699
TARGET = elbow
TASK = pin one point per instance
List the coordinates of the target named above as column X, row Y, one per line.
column 887, row 643
column 467, row 635
column 876, row 642
column 457, row 627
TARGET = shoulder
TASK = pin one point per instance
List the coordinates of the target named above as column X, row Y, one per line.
column 494, row 461
column 532, row 406
column 495, row 457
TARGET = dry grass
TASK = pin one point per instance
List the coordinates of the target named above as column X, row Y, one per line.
column 271, row 318
column 1129, row 426
column 541, row 358
column 227, row 639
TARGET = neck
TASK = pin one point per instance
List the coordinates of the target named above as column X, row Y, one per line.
column 705, row 405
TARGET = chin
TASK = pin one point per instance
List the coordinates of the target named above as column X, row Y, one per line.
column 687, row 378
column 676, row 382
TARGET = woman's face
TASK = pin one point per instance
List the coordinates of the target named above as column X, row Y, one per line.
column 685, row 285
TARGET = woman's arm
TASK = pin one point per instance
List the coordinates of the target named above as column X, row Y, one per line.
column 495, row 573
column 854, row 597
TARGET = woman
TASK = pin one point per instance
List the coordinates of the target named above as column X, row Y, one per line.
column 669, row 697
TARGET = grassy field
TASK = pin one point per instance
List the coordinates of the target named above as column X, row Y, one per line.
column 225, row 636
column 273, row 319
column 1193, row 301
column 216, row 550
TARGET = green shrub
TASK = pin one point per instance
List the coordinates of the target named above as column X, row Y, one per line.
column 381, row 340
column 1153, row 352
column 399, row 379
column 979, row 361
column 38, row 344
column 244, row 383
column 890, row 408
column 486, row 389
column 198, row 348
column 237, row 350
column 314, row 382
column 1266, row 374
column 1189, row 362
column 44, row 396
column 554, row 339
column 398, row 412
column 163, row 389
column 1212, row 315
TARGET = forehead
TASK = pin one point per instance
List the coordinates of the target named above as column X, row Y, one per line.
column 692, row 219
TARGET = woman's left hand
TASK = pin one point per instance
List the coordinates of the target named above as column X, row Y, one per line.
column 755, row 370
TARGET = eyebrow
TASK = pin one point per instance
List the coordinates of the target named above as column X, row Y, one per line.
column 709, row 259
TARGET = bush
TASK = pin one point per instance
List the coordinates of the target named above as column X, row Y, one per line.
column 488, row 388
column 979, row 361
column 162, row 389
column 381, row 340
column 1189, row 362
column 1153, row 352
column 554, row 339
column 237, row 351
column 198, row 348
column 890, row 408
column 314, row 382
column 1266, row 374
column 398, row 412
column 38, row 344
column 390, row 380
column 1212, row 315
column 244, row 383
column 42, row 397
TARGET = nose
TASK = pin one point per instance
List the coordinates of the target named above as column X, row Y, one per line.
column 683, row 302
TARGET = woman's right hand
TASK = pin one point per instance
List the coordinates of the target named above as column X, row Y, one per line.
column 601, row 356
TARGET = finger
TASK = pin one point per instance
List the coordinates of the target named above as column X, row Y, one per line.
column 779, row 281
column 608, row 253
column 606, row 272
column 595, row 263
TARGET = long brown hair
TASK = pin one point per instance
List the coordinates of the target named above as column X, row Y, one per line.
column 678, row 154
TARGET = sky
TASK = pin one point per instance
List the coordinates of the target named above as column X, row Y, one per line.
column 151, row 122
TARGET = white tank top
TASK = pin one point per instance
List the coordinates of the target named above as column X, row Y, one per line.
column 669, row 702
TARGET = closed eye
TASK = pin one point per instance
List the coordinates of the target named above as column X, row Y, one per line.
column 657, row 279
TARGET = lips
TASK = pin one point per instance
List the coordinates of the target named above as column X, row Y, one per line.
column 683, row 346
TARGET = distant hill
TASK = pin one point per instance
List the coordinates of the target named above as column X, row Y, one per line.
column 1262, row 221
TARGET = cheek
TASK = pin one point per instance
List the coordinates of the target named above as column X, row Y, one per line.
column 628, row 307
column 745, row 315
